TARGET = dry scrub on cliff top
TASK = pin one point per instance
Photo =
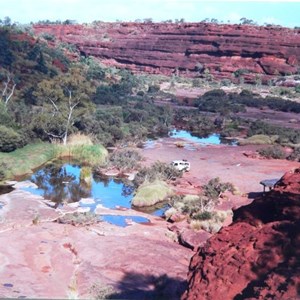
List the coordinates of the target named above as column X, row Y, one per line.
column 257, row 256
column 213, row 223
column 200, row 208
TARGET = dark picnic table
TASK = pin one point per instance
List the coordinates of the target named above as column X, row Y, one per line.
column 270, row 183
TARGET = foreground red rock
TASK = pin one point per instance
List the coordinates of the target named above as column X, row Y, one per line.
column 257, row 257
column 188, row 48
column 43, row 259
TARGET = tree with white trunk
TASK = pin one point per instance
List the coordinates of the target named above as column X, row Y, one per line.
column 8, row 87
column 64, row 98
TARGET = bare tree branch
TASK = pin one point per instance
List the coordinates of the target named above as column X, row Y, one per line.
column 9, row 89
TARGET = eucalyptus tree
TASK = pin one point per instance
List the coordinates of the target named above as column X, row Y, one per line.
column 8, row 86
column 64, row 98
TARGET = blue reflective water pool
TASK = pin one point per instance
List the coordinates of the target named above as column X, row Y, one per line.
column 68, row 183
column 64, row 183
column 123, row 221
column 213, row 139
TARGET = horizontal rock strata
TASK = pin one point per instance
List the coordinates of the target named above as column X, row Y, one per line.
column 189, row 49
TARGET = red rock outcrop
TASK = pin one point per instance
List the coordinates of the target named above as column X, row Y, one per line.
column 190, row 49
column 257, row 257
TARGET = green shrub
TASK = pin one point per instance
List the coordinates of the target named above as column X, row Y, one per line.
column 275, row 152
column 153, row 88
column 5, row 118
column 23, row 161
column 126, row 159
column 258, row 139
column 200, row 207
column 10, row 140
column 101, row 291
column 88, row 154
column 213, row 224
column 3, row 168
column 149, row 194
column 158, row 171
column 283, row 136
column 214, row 188
column 77, row 219
column 295, row 155
column 206, row 215
column 48, row 37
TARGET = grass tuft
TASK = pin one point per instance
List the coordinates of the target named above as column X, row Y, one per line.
column 149, row 194
column 259, row 139
column 23, row 161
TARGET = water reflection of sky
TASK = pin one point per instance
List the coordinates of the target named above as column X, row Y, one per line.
column 183, row 134
column 213, row 139
column 123, row 221
column 61, row 183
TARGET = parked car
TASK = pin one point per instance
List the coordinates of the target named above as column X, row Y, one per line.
column 181, row 165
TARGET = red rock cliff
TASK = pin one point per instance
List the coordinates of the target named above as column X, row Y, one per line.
column 187, row 48
column 257, row 257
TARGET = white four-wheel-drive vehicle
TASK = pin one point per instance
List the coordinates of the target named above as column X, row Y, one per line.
column 181, row 165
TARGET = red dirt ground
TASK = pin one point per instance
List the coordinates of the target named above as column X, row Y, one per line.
column 227, row 162
column 51, row 260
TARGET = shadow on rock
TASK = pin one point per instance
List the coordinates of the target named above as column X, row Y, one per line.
column 277, row 266
column 257, row 256
column 144, row 287
column 254, row 195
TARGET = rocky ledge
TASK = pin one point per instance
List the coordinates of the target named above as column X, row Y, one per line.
column 189, row 49
column 257, row 256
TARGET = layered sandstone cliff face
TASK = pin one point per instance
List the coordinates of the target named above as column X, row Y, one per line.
column 189, row 49
column 257, row 257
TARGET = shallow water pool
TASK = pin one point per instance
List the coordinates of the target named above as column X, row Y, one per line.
column 70, row 183
column 123, row 221
column 213, row 139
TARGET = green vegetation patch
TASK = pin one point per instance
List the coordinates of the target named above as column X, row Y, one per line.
column 295, row 155
column 89, row 154
column 23, row 161
column 149, row 194
column 258, row 139
column 125, row 159
column 275, row 152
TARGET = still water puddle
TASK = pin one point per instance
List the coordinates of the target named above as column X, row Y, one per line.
column 123, row 221
column 78, row 186
column 213, row 139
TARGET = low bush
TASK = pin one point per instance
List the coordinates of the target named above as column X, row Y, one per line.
column 200, row 207
column 10, row 140
column 101, row 291
column 3, row 168
column 153, row 88
column 206, row 215
column 149, row 194
column 88, row 154
column 278, row 134
column 295, row 155
column 275, row 152
column 126, row 159
column 79, row 219
column 23, row 161
column 158, row 171
column 79, row 139
column 258, row 139
column 214, row 188
column 212, row 222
